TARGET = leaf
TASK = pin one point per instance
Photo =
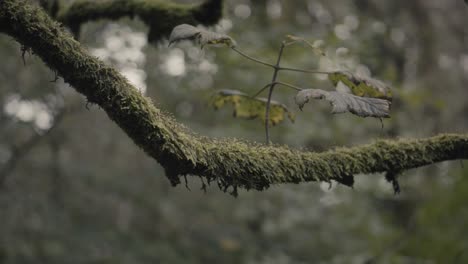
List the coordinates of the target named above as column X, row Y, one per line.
column 183, row 32
column 250, row 108
column 361, row 86
column 199, row 36
column 345, row 102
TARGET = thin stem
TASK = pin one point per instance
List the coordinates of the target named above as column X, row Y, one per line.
column 279, row 68
column 261, row 90
column 304, row 71
column 270, row 92
column 252, row 59
column 290, row 43
column 297, row 88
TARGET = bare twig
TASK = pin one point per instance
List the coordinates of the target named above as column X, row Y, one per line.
column 270, row 92
column 279, row 68
column 251, row 58
column 297, row 88
column 303, row 71
column 281, row 83
column 261, row 90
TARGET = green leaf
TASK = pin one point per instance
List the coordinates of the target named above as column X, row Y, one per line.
column 250, row 108
column 345, row 102
column 199, row 36
column 361, row 86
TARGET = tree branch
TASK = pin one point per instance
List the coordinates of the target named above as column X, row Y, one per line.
column 159, row 16
column 229, row 162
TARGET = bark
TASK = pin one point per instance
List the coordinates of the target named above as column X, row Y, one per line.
column 231, row 163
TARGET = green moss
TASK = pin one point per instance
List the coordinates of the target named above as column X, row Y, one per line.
column 230, row 163
column 160, row 16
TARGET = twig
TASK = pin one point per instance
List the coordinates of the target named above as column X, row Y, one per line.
column 252, row 59
column 270, row 92
column 261, row 90
column 297, row 88
column 279, row 68
column 304, row 71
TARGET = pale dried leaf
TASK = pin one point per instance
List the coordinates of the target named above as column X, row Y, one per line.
column 183, row 32
column 345, row 102
column 200, row 36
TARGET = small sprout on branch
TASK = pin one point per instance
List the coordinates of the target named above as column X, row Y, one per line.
column 200, row 36
column 250, row 108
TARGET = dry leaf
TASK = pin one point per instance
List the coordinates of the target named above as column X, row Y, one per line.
column 345, row 102
column 199, row 36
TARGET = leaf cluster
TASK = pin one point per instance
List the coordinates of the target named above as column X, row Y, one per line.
column 358, row 95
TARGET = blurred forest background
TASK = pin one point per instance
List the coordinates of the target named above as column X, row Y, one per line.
column 76, row 189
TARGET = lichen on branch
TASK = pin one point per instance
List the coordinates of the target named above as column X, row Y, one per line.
column 230, row 163
column 159, row 16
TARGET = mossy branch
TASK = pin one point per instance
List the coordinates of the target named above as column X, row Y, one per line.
column 159, row 16
column 228, row 162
